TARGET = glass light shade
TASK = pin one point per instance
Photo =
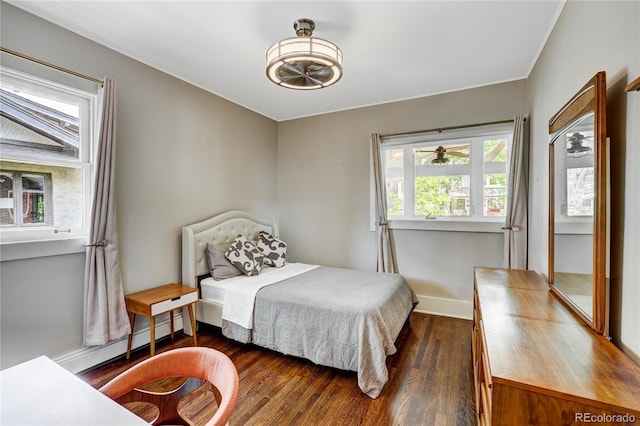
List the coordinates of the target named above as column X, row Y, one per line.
column 578, row 151
column 304, row 63
column 439, row 161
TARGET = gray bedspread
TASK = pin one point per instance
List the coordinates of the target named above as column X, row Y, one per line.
column 339, row 318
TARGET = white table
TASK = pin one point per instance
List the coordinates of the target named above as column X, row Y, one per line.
column 40, row 392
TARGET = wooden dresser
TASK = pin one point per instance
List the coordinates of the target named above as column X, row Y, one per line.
column 535, row 363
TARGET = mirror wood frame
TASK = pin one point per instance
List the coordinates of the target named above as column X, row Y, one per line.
column 590, row 99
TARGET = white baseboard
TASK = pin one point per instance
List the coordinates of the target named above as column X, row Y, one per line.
column 90, row 356
column 445, row 307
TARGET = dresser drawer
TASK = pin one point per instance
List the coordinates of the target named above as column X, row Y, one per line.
column 482, row 351
column 168, row 305
column 485, row 400
column 477, row 312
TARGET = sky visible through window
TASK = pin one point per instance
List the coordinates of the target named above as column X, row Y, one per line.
column 65, row 107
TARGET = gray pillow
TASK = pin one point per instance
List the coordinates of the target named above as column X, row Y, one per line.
column 219, row 265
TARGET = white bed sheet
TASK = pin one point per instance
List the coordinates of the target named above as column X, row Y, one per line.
column 212, row 290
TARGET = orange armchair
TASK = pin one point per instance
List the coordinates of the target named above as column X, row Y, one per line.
column 202, row 363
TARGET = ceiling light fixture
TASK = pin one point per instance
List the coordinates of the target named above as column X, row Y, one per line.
column 304, row 62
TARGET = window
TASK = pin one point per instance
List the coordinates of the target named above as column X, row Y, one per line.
column 574, row 191
column 25, row 198
column 47, row 132
column 460, row 175
column 574, row 157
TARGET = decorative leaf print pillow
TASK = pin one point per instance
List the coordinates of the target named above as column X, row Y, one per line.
column 244, row 255
column 274, row 250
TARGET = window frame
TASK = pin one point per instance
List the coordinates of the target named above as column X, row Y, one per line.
column 88, row 117
column 475, row 222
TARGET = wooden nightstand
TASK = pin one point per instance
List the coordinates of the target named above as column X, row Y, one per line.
column 156, row 301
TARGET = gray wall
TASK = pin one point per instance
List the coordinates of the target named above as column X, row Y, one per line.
column 591, row 37
column 323, row 189
column 183, row 154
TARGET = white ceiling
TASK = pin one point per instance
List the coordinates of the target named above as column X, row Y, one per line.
column 393, row 50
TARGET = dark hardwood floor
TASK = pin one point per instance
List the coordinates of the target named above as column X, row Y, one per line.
column 430, row 381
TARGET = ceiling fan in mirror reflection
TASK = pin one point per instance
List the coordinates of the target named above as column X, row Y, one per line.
column 576, row 146
column 440, row 155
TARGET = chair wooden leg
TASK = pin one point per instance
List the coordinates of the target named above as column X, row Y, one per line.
column 145, row 410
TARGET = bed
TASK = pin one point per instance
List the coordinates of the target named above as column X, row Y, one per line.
column 335, row 317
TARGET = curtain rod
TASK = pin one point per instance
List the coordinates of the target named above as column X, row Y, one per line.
column 47, row 64
column 441, row 129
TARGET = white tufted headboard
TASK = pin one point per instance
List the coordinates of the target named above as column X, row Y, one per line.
column 220, row 229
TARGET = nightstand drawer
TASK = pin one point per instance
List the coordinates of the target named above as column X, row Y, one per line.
column 167, row 305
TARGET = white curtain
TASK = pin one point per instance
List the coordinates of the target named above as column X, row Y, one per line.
column 385, row 262
column 105, row 313
column 516, row 222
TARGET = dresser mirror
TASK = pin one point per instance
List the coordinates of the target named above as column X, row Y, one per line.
column 578, row 204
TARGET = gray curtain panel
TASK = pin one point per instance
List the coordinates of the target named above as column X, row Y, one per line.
column 516, row 221
column 105, row 313
column 385, row 258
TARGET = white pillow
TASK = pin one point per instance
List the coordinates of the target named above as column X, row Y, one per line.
column 274, row 250
column 244, row 255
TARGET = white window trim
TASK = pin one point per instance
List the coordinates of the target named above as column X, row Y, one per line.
column 490, row 226
column 18, row 250
column 478, row 224
column 89, row 117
